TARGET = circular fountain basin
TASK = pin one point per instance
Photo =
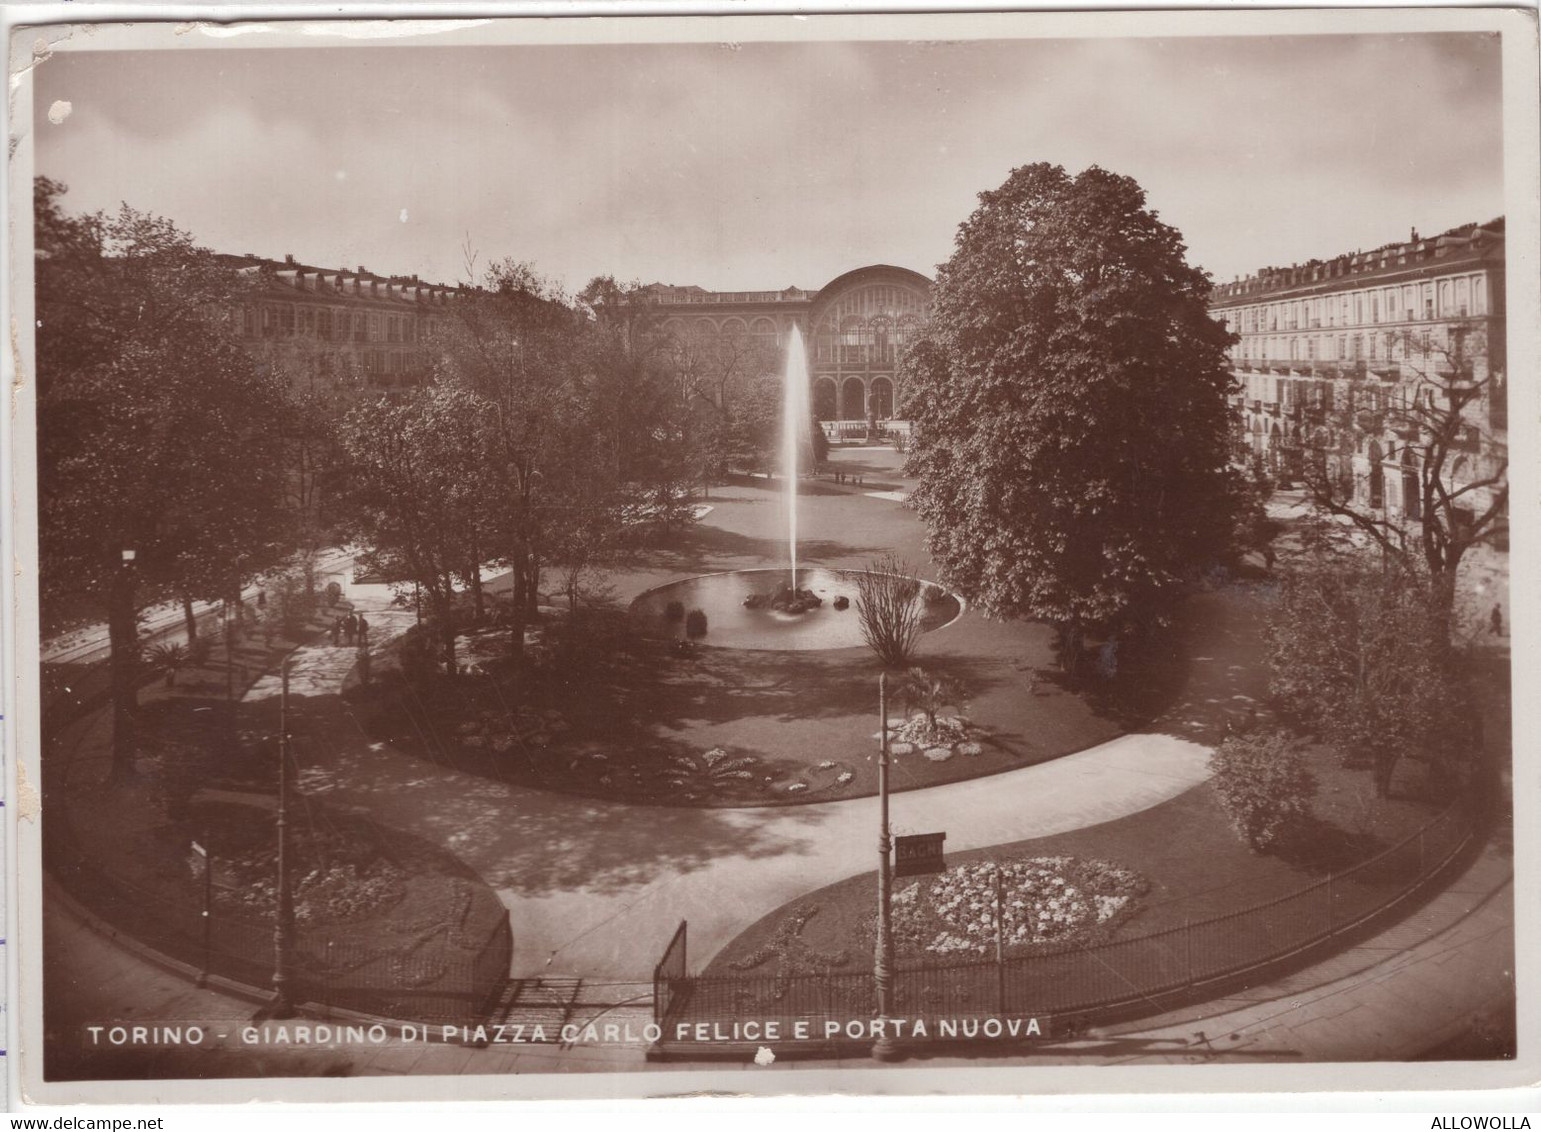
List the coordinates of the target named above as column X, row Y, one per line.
column 730, row 624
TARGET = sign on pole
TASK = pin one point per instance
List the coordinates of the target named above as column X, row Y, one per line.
column 917, row 854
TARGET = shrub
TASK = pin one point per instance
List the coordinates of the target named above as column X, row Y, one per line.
column 167, row 659
column 1263, row 785
column 886, row 605
column 695, row 623
column 1357, row 660
column 931, row 692
column 674, row 611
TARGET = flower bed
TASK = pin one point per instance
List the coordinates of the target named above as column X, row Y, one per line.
column 1044, row 900
column 936, row 739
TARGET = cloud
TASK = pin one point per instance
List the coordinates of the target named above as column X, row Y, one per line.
column 763, row 165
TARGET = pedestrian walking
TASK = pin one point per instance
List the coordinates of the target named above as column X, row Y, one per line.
column 363, row 631
column 1496, row 621
column 349, row 627
column 336, row 631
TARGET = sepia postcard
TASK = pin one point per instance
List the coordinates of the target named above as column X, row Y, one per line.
column 624, row 556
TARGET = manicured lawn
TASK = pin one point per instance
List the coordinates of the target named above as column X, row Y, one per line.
column 622, row 717
column 1193, row 864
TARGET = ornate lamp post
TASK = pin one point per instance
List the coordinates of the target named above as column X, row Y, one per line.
column 283, row 920
column 885, row 1048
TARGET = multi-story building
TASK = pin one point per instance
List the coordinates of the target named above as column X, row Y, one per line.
column 339, row 332
column 1332, row 352
column 856, row 328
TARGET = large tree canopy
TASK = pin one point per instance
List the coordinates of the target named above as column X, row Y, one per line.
column 1068, row 401
column 157, row 433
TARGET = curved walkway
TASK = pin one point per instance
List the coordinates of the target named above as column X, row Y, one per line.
column 597, row 888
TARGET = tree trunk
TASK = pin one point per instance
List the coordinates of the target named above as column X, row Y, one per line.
column 532, row 589
column 1442, row 587
column 447, row 635
column 478, row 603
column 517, row 606
column 1385, row 770
column 123, row 641
column 187, row 616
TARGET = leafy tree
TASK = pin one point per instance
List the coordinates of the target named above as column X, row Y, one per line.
column 646, row 417
column 754, row 425
column 516, row 345
column 718, row 366
column 1263, row 785
column 1452, row 461
column 754, row 429
column 1069, row 408
column 415, row 494
column 156, row 432
column 1355, row 658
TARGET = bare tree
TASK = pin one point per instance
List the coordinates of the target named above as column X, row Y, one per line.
column 1440, row 429
column 888, row 606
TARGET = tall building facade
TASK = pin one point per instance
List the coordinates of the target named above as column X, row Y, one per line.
column 1363, row 338
column 339, row 333
column 856, row 327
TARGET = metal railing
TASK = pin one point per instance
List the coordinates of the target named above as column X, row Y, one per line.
column 669, row 973
column 450, row 972
column 1124, row 977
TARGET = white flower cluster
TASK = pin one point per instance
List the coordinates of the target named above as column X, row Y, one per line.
column 1041, row 901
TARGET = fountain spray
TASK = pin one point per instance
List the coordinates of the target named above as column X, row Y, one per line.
column 794, row 428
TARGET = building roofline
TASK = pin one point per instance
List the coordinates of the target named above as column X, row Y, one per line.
column 1465, row 245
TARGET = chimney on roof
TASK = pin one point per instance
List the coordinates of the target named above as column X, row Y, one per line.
column 1414, row 238
column 288, row 259
column 362, row 270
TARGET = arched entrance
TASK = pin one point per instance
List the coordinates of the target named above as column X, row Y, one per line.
column 853, row 400
column 825, row 399
column 882, row 398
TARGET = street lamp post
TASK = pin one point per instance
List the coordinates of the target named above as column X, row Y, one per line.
column 283, row 921
column 885, row 1048
column 208, row 910
column 1000, row 947
column 123, row 635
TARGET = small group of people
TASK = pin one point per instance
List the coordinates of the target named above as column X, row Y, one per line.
column 350, row 629
column 846, row 477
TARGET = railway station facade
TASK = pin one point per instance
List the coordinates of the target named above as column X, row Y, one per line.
column 856, row 327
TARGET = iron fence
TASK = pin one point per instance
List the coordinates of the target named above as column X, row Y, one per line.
column 1074, row 982
column 449, row 973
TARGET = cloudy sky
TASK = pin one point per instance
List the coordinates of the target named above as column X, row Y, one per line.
column 765, row 165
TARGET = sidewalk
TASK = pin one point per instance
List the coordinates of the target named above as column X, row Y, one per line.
column 1391, row 997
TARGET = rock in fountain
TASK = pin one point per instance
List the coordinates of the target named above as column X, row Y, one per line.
column 786, row 600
